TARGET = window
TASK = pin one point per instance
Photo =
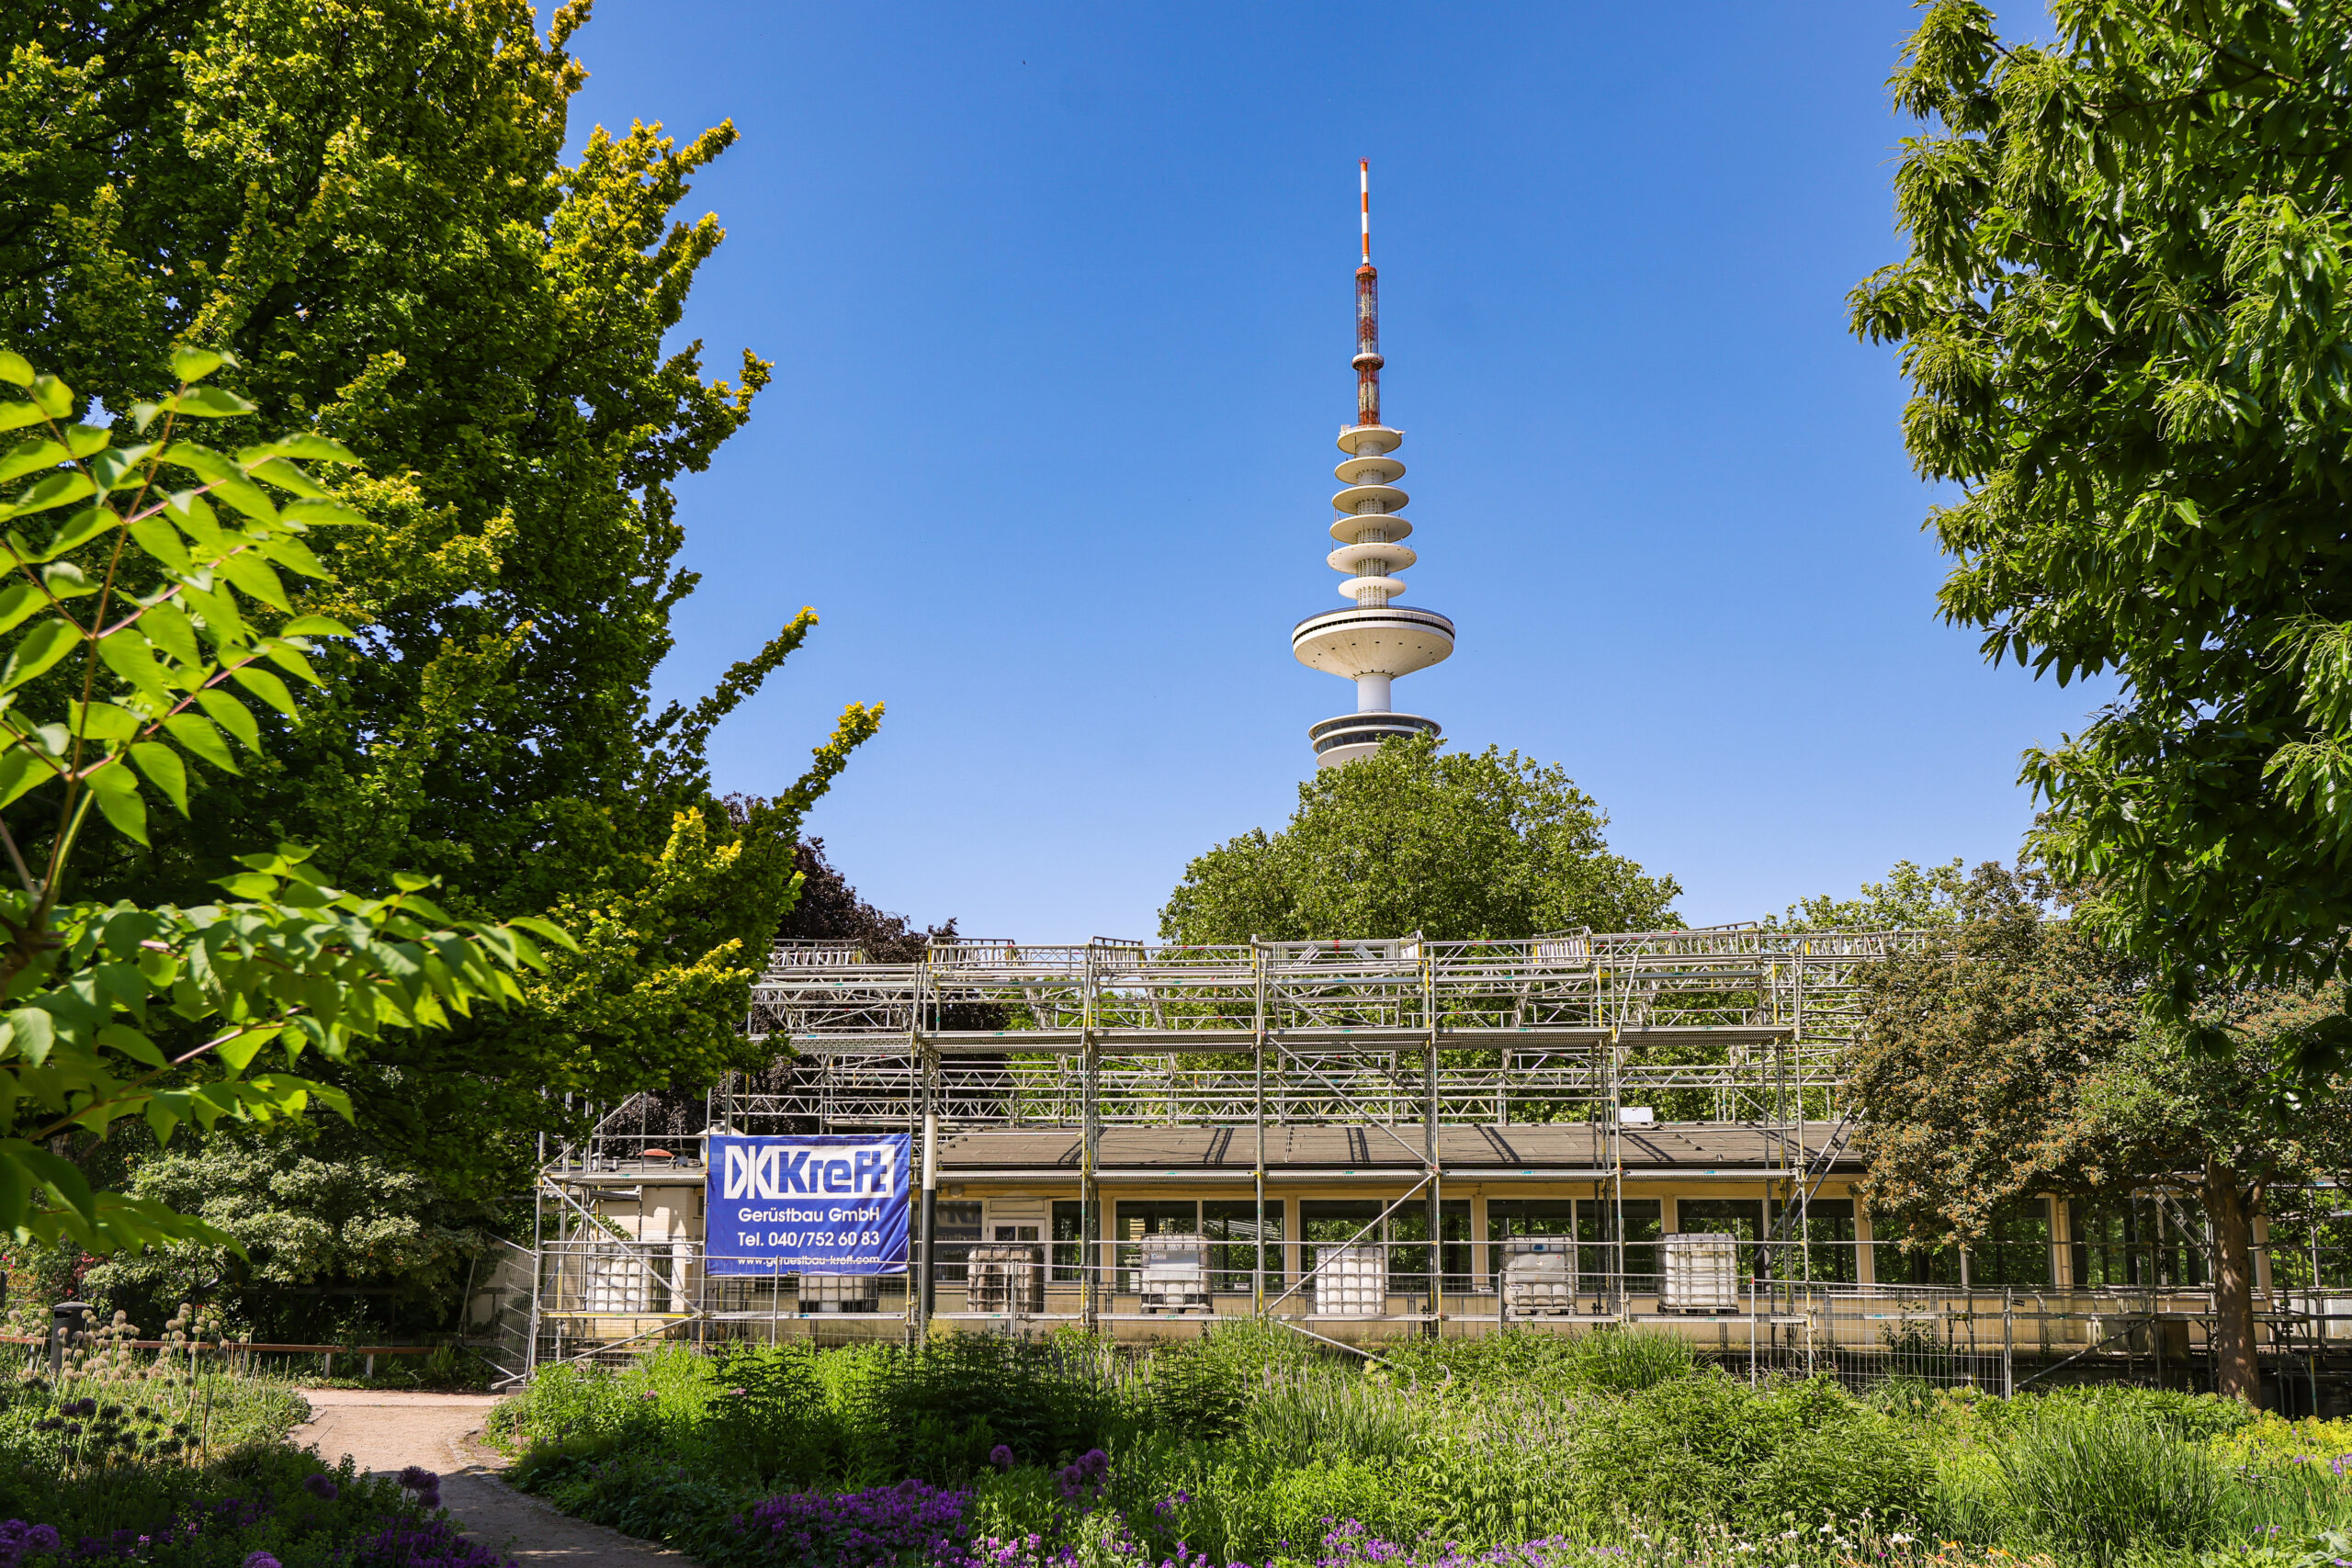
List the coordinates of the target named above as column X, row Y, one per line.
column 1069, row 1238
column 1830, row 1252
column 1596, row 1239
column 2311, row 1238
column 1133, row 1220
column 1335, row 1222
column 1232, row 1230
column 2137, row 1241
column 1510, row 1217
column 953, row 1228
column 1408, row 1245
column 2014, row 1251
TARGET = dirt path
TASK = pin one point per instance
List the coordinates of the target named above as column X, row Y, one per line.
column 385, row 1430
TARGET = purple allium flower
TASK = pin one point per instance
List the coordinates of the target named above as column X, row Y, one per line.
column 42, row 1538
column 261, row 1560
column 1001, row 1456
column 416, row 1478
column 320, row 1486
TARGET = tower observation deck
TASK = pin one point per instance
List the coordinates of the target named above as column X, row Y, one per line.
column 1377, row 639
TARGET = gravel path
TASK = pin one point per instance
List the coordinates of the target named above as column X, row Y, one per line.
column 383, row 1430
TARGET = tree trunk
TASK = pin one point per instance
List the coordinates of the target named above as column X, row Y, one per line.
column 2236, row 1374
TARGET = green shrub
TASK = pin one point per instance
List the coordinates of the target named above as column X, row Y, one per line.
column 1709, row 1448
column 2086, row 1480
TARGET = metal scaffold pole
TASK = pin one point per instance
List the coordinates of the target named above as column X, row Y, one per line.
column 1258, row 1104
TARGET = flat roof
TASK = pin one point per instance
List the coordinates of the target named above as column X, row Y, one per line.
column 1569, row 1149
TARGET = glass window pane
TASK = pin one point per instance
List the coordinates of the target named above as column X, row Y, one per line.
column 2016, row 1249
column 955, row 1226
column 1408, row 1249
column 1070, row 1235
column 1231, row 1227
column 1597, row 1233
column 1334, row 1221
column 1828, row 1227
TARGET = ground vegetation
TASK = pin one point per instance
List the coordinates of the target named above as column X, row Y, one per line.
column 1543, row 1450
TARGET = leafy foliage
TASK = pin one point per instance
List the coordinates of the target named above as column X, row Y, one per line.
column 1450, row 844
column 1911, row 897
column 2021, row 1063
column 2122, row 314
column 132, row 600
column 372, row 206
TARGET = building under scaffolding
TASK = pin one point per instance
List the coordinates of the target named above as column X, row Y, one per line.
column 1364, row 1139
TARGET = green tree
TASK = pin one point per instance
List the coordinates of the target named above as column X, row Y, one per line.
column 370, row 205
column 1454, row 845
column 1912, row 896
column 2021, row 1063
column 131, row 652
column 2123, row 314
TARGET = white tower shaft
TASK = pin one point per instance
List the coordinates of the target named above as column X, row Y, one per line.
column 1379, row 639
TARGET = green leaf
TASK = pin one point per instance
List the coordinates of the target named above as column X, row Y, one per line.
column 82, row 440
column 163, row 770
column 26, row 455
column 251, row 573
column 118, row 796
column 209, row 402
column 168, row 628
column 104, row 721
column 33, row 1033
column 55, row 491
column 305, row 626
column 306, row 448
column 292, row 554
column 131, row 1043
column 81, row 528
column 162, row 544
column 546, row 930
column 14, row 370
column 55, row 398
column 16, row 415
column 321, row 513
column 127, row 653
column 269, row 688
column 240, row 1050
column 232, row 716
column 17, row 600
column 286, row 475
column 22, row 769
column 196, row 733
column 194, row 364
column 37, row 650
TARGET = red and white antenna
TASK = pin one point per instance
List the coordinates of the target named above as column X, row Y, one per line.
column 1367, row 360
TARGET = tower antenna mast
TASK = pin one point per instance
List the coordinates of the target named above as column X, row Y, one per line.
column 1376, row 639
column 1367, row 360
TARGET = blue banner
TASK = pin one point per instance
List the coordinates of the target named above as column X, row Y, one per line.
column 829, row 1204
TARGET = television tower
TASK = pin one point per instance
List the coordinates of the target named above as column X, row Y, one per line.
column 1375, row 640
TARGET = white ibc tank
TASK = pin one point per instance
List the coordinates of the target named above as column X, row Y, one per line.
column 1539, row 1276
column 1350, row 1281
column 1175, row 1273
column 1702, row 1272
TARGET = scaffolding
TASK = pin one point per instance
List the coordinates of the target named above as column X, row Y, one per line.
column 1398, row 1040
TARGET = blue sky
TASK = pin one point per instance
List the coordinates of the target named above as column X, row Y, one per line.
column 1059, row 299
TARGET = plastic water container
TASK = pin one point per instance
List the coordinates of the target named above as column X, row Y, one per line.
column 1352, row 1281
column 841, row 1293
column 1702, row 1272
column 1175, row 1273
column 1539, row 1277
column 1005, row 1279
